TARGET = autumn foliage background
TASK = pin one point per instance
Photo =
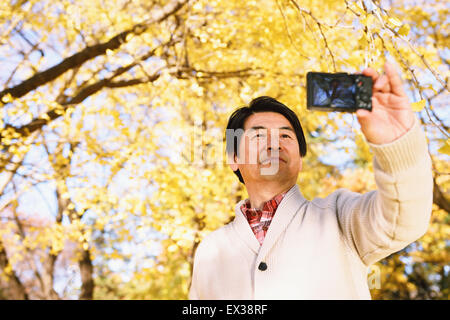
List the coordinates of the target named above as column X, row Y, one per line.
column 113, row 116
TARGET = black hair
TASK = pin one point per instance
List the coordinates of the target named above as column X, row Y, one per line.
column 260, row 104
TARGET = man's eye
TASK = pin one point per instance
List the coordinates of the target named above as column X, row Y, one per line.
column 286, row 136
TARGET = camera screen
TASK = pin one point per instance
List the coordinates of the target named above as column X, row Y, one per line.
column 333, row 92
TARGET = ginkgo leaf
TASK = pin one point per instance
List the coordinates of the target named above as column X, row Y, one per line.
column 404, row 30
column 7, row 98
column 419, row 105
column 395, row 22
column 445, row 149
column 368, row 20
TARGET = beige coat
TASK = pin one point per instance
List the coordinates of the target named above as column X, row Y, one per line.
column 321, row 249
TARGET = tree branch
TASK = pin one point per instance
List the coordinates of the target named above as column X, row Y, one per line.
column 319, row 25
column 85, row 92
column 88, row 53
column 439, row 199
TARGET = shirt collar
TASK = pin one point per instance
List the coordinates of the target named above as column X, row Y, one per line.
column 269, row 206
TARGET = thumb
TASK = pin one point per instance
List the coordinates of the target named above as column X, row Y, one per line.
column 362, row 114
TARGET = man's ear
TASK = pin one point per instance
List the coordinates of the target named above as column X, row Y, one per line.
column 232, row 161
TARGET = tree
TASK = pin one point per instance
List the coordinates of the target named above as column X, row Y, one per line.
column 112, row 131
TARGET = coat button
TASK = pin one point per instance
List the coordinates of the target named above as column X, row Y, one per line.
column 262, row 266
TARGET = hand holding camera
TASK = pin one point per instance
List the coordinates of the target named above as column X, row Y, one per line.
column 380, row 102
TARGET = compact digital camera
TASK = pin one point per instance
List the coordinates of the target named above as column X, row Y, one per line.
column 341, row 92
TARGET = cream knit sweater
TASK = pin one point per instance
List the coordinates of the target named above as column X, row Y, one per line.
column 321, row 249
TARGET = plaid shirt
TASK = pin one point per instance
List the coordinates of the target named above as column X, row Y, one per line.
column 259, row 220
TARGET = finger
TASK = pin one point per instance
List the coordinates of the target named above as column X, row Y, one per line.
column 371, row 73
column 382, row 84
column 395, row 82
column 362, row 114
column 381, row 98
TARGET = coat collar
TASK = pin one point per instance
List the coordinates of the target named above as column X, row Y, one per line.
column 286, row 210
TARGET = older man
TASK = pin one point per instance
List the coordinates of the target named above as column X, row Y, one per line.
column 283, row 246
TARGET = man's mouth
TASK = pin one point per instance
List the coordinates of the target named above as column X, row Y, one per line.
column 273, row 159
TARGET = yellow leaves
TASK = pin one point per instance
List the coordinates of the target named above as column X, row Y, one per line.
column 198, row 90
column 57, row 245
column 362, row 42
column 100, row 223
column 368, row 20
column 59, row 110
column 69, row 112
column 445, row 147
column 115, row 255
column 418, row 106
column 119, row 128
column 395, row 22
column 65, row 195
column 8, row 270
column 355, row 6
column 401, row 278
column 44, row 116
column 129, row 37
column 172, row 248
column 7, row 98
column 7, row 136
column 198, row 6
column 10, row 133
column 17, row 149
column 404, row 30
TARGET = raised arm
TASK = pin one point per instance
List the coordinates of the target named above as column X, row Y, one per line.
column 386, row 220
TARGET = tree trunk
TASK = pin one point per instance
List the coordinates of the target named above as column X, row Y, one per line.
column 15, row 289
column 86, row 271
column 47, row 277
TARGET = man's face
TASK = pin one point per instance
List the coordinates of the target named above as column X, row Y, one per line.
column 268, row 149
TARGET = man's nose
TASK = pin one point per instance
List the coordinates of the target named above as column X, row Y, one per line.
column 273, row 142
